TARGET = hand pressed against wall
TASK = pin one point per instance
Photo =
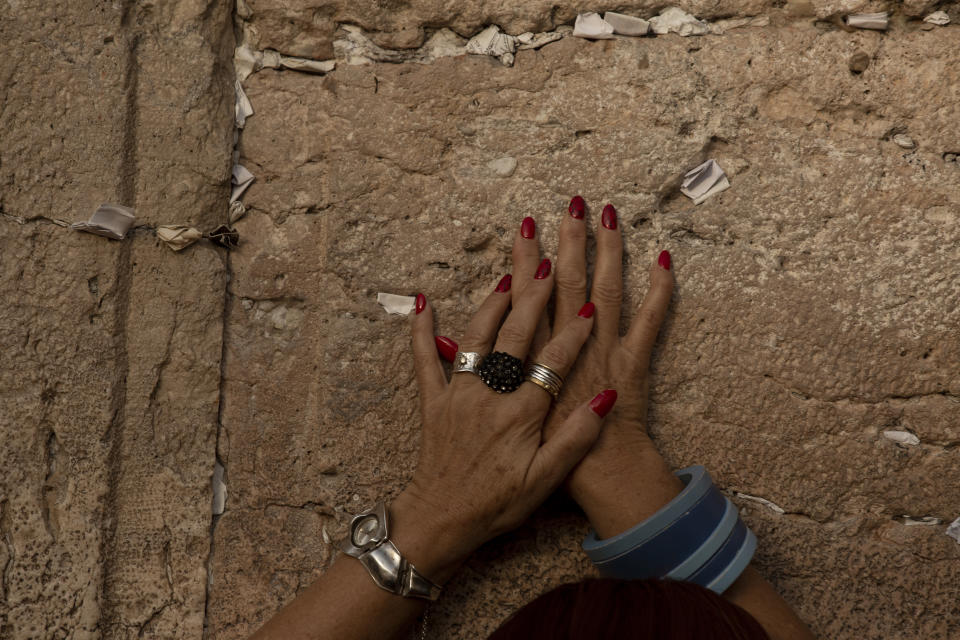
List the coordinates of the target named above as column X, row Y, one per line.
column 607, row 359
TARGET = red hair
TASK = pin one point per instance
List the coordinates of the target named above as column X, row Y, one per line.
column 597, row 609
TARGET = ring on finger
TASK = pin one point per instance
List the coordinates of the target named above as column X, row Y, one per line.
column 501, row 372
column 467, row 362
column 545, row 378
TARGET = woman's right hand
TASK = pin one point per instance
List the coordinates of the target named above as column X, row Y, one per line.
column 607, row 360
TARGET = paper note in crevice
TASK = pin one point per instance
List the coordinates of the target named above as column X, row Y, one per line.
column 590, row 25
column 398, row 305
column 241, row 179
column 875, row 21
column 703, row 181
column 109, row 220
column 178, row 236
column 242, row 108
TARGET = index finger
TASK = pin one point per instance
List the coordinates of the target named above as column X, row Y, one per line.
column 646, row 325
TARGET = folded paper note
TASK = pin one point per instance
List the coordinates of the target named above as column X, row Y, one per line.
column 877, row 21
column 109, row 221
column 703, row 181
column 591, row 25
column 399, row 305
column 626, row 25
column 178, row 236
column 242, row 108
column 676, row 20
column 241, row 179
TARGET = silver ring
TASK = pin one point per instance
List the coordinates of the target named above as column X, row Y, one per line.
column 545, row 378
column 467, row 362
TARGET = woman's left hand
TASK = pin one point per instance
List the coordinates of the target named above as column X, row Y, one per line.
column 484, row 463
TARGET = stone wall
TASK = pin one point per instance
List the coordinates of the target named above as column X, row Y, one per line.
column 815, row 309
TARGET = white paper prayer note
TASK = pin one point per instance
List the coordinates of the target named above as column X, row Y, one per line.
column 676, row 20
column 626, row 25
column 876, row 21
column 591, row 25
column 109, row 221
column 242, row 178
column 178, row 236
column 242, row 108
column 704, row 181
column 399, row 305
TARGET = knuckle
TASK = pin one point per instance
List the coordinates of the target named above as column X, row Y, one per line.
column 511, row 333
column 607, row 291
column 555, row 353
column 575, row 282
column 577, row 232
column 649, row 321
column 473, row 338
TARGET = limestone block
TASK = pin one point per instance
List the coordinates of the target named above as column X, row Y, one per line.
column 808, row 317
column 59, row 376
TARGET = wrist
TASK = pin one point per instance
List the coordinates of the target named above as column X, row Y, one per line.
column 431, row 539
column 623, row 486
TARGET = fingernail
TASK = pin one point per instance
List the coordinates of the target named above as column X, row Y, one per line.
column 528, row 228
column 543, row 270
column 603, row 402
column 586, row 311
column 609, row 217
column 577, row 207
column 447, row 348
column 421, row 303
column 664, row 260
column 504, row 285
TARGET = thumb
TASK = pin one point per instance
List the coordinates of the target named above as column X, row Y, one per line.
column 568, row 444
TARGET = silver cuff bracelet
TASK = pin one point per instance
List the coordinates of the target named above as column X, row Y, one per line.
column 368, row 542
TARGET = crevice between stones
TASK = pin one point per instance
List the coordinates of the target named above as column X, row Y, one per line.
column 7, row 536
column 217, row 459
column 113, row 436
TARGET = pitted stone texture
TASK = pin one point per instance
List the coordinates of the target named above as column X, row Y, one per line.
column 112, row 349
column 57, row 387
column 161, row 493
column 813, row 309
column 184, row 112
column 62, row 73
column 308, row 28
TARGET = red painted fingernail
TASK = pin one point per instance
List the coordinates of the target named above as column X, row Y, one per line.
column 543, row 270
column 421, row 302
column 664, row 260
column 586, row 311
column 504, row 285
column 528, row 228
column 603, row 402
column 577, row 207
column 447, row 348
column 609, row 217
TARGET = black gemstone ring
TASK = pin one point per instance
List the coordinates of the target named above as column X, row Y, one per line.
column 502, row 372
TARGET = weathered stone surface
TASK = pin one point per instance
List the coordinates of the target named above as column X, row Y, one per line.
column 309, row 27
column 815, row 307
column 111, row 349
column 58, row 384
column 814, row 304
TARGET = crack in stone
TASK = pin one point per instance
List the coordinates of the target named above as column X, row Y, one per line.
column 5, row 533
column 218, row 459
column 49, row 487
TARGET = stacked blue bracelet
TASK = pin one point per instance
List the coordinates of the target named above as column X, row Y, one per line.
column 699, row 537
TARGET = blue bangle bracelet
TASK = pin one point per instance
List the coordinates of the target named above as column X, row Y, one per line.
column 710, row 546
column 698, row 537
column 671, row 546
column 698, row 483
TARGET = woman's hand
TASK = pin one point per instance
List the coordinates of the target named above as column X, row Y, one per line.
column 485, row 464
column 607, row 359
